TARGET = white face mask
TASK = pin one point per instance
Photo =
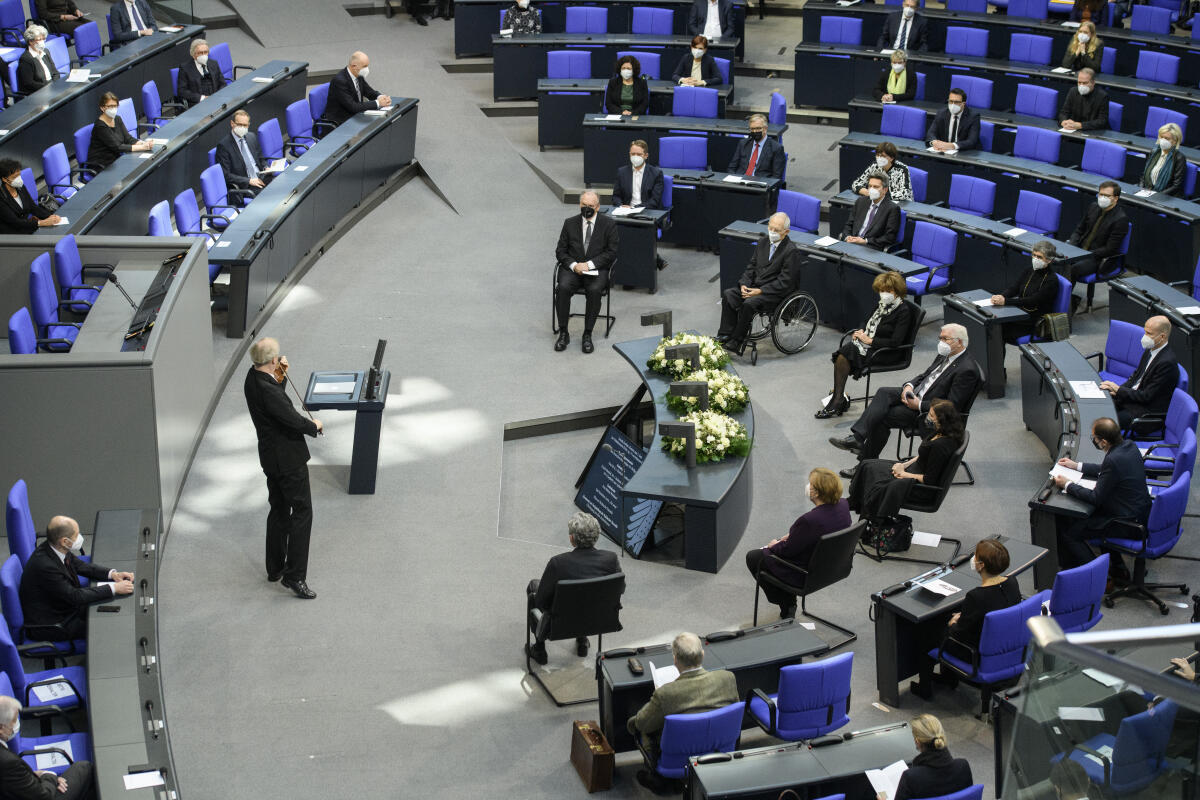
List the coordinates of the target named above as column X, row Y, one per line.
column 1037, row 263
column 77, row 545
column 943, row 348
column 874, row 194
column 697, row 52
column 637, row 161
column 1103, row 200
column 774, row 237
column 202, row 60
column 1084, row 89
column 523, row 3
column 954, row 107
column 886, row 298
column 17, row 182
column 111, row 113
column 1084, row 38
column 897, row 68
column 1164, row 143
column 364, row 72
column 881, row 162
column 626, row 74
column 16, row 729
column 808, row 492
column 908, row 12
column 39, row 46
column 1147, row 342
column 240, row 130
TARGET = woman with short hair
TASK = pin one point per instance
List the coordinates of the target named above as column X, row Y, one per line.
column 897, row 83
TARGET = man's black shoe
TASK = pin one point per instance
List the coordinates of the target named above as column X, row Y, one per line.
column 787, row 612
column 562, row 341
column 581, row 647
column 721, row 338
column 652, row 781
column 587, row 343
column 538, row 654
column 662, row 263
column 274, row 576
column 420, row 20
column 300, row 589
column 848, row 472
column 849, row 443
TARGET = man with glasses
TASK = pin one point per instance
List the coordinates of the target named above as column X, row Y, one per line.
column 1102, row 230
column 759, row 156
column 769, row 278
column 197, row 77
column 953, row 375
column 956, row 127
column 1085, row 108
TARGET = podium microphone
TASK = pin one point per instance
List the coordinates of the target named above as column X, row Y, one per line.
column 112, row 276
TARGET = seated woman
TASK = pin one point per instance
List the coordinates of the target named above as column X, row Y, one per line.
column 897, row 84
column 899, row 184
column 17, row 204
column 832, row 513
column 35, row 68
column 110, row 137
column 934, row 772
column 881, row 486
column 520, row 18
column 697, row 68
column 1034, row 291
column 1084, row 49
column 1166, row 166
column 887, row 327
column 627, row 92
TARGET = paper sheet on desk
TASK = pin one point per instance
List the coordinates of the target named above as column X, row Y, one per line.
column 378, row 112
column 986, row 303
column 953, row 152
column 886, row 780
column 1103, row 677
column 1189, row 311
column 159, row 142
column 1144, row 193
column 612, row 117
column 941, row 587
column 330, row 387
column 1088, row 390
column 622, row 211
column 143, row 780
column 63, row 221
column 78, row 75
column 1015, row 231
column 48, row 760
column 732, row 179
column 663, row 675
column 1069, row 24
column 506, row 31
column 825, row 241
column 170, row 28
column 1060, row 70
column 262, row 79
column 1081, row 713
column 53, row 691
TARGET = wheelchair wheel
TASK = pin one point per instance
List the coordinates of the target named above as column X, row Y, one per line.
column 760, row 327
column 794, row 323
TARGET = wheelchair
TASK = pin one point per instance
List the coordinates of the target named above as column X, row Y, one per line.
column 791, row 325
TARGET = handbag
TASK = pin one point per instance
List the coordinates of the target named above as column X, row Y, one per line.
column 888, row 534
column 1056, row 327
column 592, row 756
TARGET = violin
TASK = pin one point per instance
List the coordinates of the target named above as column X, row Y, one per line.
column 281, row 370
column 280, row 373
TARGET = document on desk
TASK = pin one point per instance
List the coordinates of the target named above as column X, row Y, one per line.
column 334, row 387
column 885, row 781
column 143, row 780
column 985, row 303
column 662, row 675
column 170, row 28
column 160, row 142
column 1015, row 231
column 939, row 586
column 732, row 179
column 1081, row 713
column 506, row 32
column 612, row 117
column 1069, row 24
column 1103, row 677
column 953, row 152
column 1088, row 390
column 262, row 79
column 1144, row 193
column 78, row 75
column 1060, row 70
column 622, row 211
column 49, row 760
column 1189, row 311
column 1073, row 475
column 825, row 241
column 53, row 691
column 63, row 221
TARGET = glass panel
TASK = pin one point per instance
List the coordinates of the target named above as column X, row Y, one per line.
column 179, row 12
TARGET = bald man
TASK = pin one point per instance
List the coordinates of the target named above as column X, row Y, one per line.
column 587, row 248
column 283, row 454
column 349, row 92
column 1149, row 389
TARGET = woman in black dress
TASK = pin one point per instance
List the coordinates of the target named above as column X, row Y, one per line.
column 627, row 93
column 934, row 772
column 17, row 202
column 110, row 137
column 1034, row 292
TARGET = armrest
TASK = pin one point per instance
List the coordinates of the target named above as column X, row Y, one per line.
column 771, row 710
column 34, row 650
column 1099, row 356
column 240, row 192
column 872, row 354
column 82, row 286
column 903, row 251
column 1005, row 219
column 246, row 67
column 1083, row 748
column 69, row 305
column 291, row 147
column 46, row 712
column 1155, row 446
column 319, row 124
column 217, row 216
column 44, row 750
column 939, row 203
column 43, row 342
column 106, row 268
column 1136, row 530
column 787, row 563
column 52, row 682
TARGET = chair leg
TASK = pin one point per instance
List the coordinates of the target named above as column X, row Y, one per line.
column 970, row 481
column 757, row 587
column 1139, row 588
column 848, row 635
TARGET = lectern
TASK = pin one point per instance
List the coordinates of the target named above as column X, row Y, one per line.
column 354, row 391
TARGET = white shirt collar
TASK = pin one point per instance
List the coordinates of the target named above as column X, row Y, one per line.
column 61, row 556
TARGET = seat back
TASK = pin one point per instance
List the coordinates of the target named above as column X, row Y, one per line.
column 1166, row 512
column 1028, row 48
column 1103, row 158
column 1003, row 639
column 187, row 213
column 83, row 141
column 587, row 19
column 151, row 102
column 128, row 115
column 1038, row 212
column 1139, row 751
column 651, row 63
column 687, row 735
column 777, row 112
column 962, row 41
column 10, row 596
column 10, row 664
column 1038, row 144
column 159, row 223
column 299, row 125
column 919, row 179
column 88, row 45
column 56, row 167
column 1036, row 9
column 1036, row 101
column 318, row 98
column 841, row 30
column 902, row 121
column 270, row 139
column 979, row 90
column 723, row 68
column 835, row 552
column 1181, row 415
column 1116, row 112
column 970, row 793
column 569, row 63
column 22, row 338
column 1062, row 300
column 42, row 297
column 1151, row 19
column 68, row 270
column 683, row 152
column 814, row 698
column 668, row 195
column 22, row 536
column 221, row 54
column 174, row 82
column 1159, row 67
column 12, row 23
column 802, row 209
column 972, row 195
column 967, row 6
column 694, row 101
column 1156, row 117
column 653, row 21
column 920, row 94
column 586, row 607
column 1075, row 598
column 215, row 192
column 1122, row 350
column 56, row 46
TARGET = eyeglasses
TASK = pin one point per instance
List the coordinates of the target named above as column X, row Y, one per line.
column 758, row 130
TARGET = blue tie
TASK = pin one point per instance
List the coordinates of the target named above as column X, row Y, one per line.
column 772, row 252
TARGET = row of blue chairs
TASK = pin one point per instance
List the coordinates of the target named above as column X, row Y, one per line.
column 578, row 64
column 590, row 19
column 46, row 329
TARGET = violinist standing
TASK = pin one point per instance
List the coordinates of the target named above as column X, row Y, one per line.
column 283, row 454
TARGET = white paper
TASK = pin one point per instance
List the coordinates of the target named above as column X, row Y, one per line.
column 887, row 51
column 78, row 75
column 1103, row 677
column 1143, row 193
column 63, row 221
column 886, row 780
column 48, row 760
column 158, row 142
column 1066, row 472
column 142, row 780
column 845, row 3
column 170, row 28
column 262, row 79
column 888, row 102
column 1081, row 713
column 278, row 165
column 105, row 583
column 1104, row 750
column 145, row 155
column 1190, row 311
column 612, row 117
column 301, row 168
column 825, row 241
column 1069, row 24
column 223, row 244
column 621, row 211
column 812, row 626
column 1065, row 130
column 732, row 179
column 376, row 112
column 330, row 387
column 3, row 133
column 94, row 75
column 591, row 273
column 1088, row 390
column 941, row 587
column 1060, row 70
column 53, row 691
column 926, row 539
column 1015, row 231
column 985, row 303
column 506, row 31
column 663, row 675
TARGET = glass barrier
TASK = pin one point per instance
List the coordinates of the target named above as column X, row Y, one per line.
column 178, row 12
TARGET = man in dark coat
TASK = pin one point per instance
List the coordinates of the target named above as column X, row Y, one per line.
column 1150, row 387
column 769, row 278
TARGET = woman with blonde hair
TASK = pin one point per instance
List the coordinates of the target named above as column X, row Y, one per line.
column 934, row 772
column 1084, row 49
column 1166, row 166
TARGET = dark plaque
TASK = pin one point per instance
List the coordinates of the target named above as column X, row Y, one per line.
column 627, row 523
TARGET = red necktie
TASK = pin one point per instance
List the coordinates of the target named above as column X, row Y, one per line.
column 753, row 160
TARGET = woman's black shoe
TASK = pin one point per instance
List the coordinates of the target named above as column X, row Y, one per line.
column 827, row 412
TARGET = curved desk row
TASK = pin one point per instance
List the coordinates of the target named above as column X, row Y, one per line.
column 1135, row 298
column 127, row 715
column 118, row 200
column 53, row 113
column 1166, row 230
column 288, row 218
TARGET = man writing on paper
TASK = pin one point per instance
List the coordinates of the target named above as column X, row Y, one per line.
column 1150, row 388
column 19, row 781
column 240, row 157
column 955, row 127
column 639, row 185
column 695, row 690
column 349, row 92
column 53, row 601
column 769, row 278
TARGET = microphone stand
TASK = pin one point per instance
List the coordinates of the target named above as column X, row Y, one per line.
column 112, row 276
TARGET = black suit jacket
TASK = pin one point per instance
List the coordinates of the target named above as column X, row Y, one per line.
column 192, row 84
column 281, row 428
column 652, row 186
column 917, row 39
column 1091, row 112
column 933, row 774
column 958, row 383
column 122, row 27
column 698, row 15
column 893, row 328
column 19, row 782
column 1110, row 234
column 1157, row 386
column 602, row 249
column 770, row 163
column 14, row 218
column 343, row 102
column 50, row 594
column 641, row 96
column 582, row 562
column 775, row 276
column 885, row 227
column 708, row 70
column 232, row 163
column 968, row 129
column 29, row 74
column 1120, row 491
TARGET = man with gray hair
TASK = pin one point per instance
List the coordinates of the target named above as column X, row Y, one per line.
column 197, row 77
column 769, row 277
column 759, row 156
column 587, row 248
column 584, row 561
column 953, row 375
column 695, row 690
column 20, row 781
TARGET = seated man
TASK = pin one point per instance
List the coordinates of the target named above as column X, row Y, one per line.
column 1101, row 230
column 198, row 78
column 1150, row 388
column 1085, row 108
column 640, row 184
column 587, row 249
column 955, row 127
column 240, row 157
column 130, row 19
column 695, row 690
column 904, row 29
column 712, row 18
column 584, row 561
column 19, row 781
column 760, row 156
column 51, row 597
column 349, row 92
column 953, row 375
column 768, row 279
column 1120, row 493
column 875, row 220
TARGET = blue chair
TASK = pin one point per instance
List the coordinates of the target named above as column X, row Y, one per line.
column 14, row 617
column 1036, row 101
column 905, row 122
column 71, row 680
column 723, row 68
column 83, row 141
column 1130, row 761
column 1189, row 180
column 651, row 62
column 22, row 338
column 1108, row 58
column 1062, row 305
column 1156, row 117
column 56, row 167
column 1158, row 67
column 128, row 115
column 56, row 46
column 69, row 270
column 919, row 179
column 1109, row 268
column 1035, row 9
column 190, row 222
column 987, row 135
column 841, row 30
column 1028, row 48
column 979, row 90
column 694, row 101
column 1038, row 213
column 12, row 23
column 45, row 303
column 22, row 536
column 935, row 247
column 999, row 658
column 1151, row 19
column 270, row 139
column 920, row 94
column 1116, row 112
column 777, row 112
column 159, row 223
column 967, row 6
column 972, row 195
column 154, row 107
column 813, row 700
column 653, row 21
column 220, row 53
column 586, row 19
column 1038, row 144
column 683, row 152
column 802, row 209
column 1179, row 421
column 966, row 41
column 1103, row 158
column 88, row 46
column 569, row 63
column 318, row 99
column 301, row 135
column 1075, row 598
column 970, row 793
column 687, row 735
column 1183, row 460
column 70, row 746
column 1122, row 352
column 221, row 201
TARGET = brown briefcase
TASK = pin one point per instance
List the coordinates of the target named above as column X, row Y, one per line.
column 592, row 756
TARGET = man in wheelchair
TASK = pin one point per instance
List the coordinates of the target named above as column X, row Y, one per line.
column 769, row 278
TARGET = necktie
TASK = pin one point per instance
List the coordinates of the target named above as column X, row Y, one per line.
column 933, row 376
column 587, row 237
column 771, row 257
column 357, row 89
column 870, row 216
column 753, row 160
column 70, row 562
column 954, row 129
column 251, row 166
column 136, row 18
column 902, row 39
column 1140, row 373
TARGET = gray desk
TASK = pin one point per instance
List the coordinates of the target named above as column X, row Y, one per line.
column 108, row 320
column 703, row 203
column 984, row 333
column 637, row 246
column 1135, row 298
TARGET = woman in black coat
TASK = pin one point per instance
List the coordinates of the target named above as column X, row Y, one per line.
column 1084, row 50
column 887, row 327
column 1166, row 166
column 898, row 83
column 934, row 772
column 1034, row 292
column 627, row 93
column 698, row 67
column 35, row 68
column 110, row 137
column 17, row 204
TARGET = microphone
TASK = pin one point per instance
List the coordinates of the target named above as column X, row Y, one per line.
column 112, row 276
column 896, row 589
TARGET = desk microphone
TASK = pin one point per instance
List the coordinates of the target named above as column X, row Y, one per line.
column 896, row 589
column 870, row 731
column 112, row 276
column 958, row 562
column 1044, row 495
column 985, row 312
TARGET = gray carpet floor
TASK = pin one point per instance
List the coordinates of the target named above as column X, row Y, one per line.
column 404, row 679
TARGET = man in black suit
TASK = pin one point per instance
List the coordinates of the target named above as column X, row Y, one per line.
column 953, row 375
column 1101, row 230
column 640, row 184
column 240, row 157
column 587, row 248
column 198, row 77
column 769, row 278
column 19, row 781
column 1085, row 108
column 584, row 561
column 955, row 127
column 904, row 30
column 349, row 92
column 283, row 455
column 711, row 19
column 53, row 601
column 1150, row 388
column 130, row 19
column 758, row 156
column 876, row 219
column 1120, row 493
column 35, row 68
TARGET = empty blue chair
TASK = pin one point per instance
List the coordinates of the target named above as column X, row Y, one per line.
column 723, row 68
column 920, row 95
column 813, row 700
column 971, row 792
column 45, row 304
column 935, row 247
column 1156, row 117
column 587, row 19
column 1158, row 67
column 979, row 90
column 270, row 140
column 1116, row 111
column 22, row 536
column 71, row 679
column 318, row 99
column 1135, row 757
column 967, row 6
column 1180, row 421
column 153, row 106
column 569, row 64
column 221, row 54
column 694, row 101
column 300, row 126
column 1035, row 9
column 777, row 112
column 88, row 46
column 651, row 63
column 22, row 338
column 653, row 21
column 1103, row 158
column 1109, row 268
column 987, row 135
column 1075, row 598
column 966, row 41
column 841, row 30
column 74, row 746
column 159, row 223
column 12, row 23
column 69, row 269
column 1028, row 48
column 905, row 122
column 802, row 209
column 683, row 152
column 56, row 167
column 1038, row 213
column 1151, row 19
column 219, row 199
column 687, row 735
column 190, row 222
column 972, row 195
column 1039, row 144
column 1036, row 101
